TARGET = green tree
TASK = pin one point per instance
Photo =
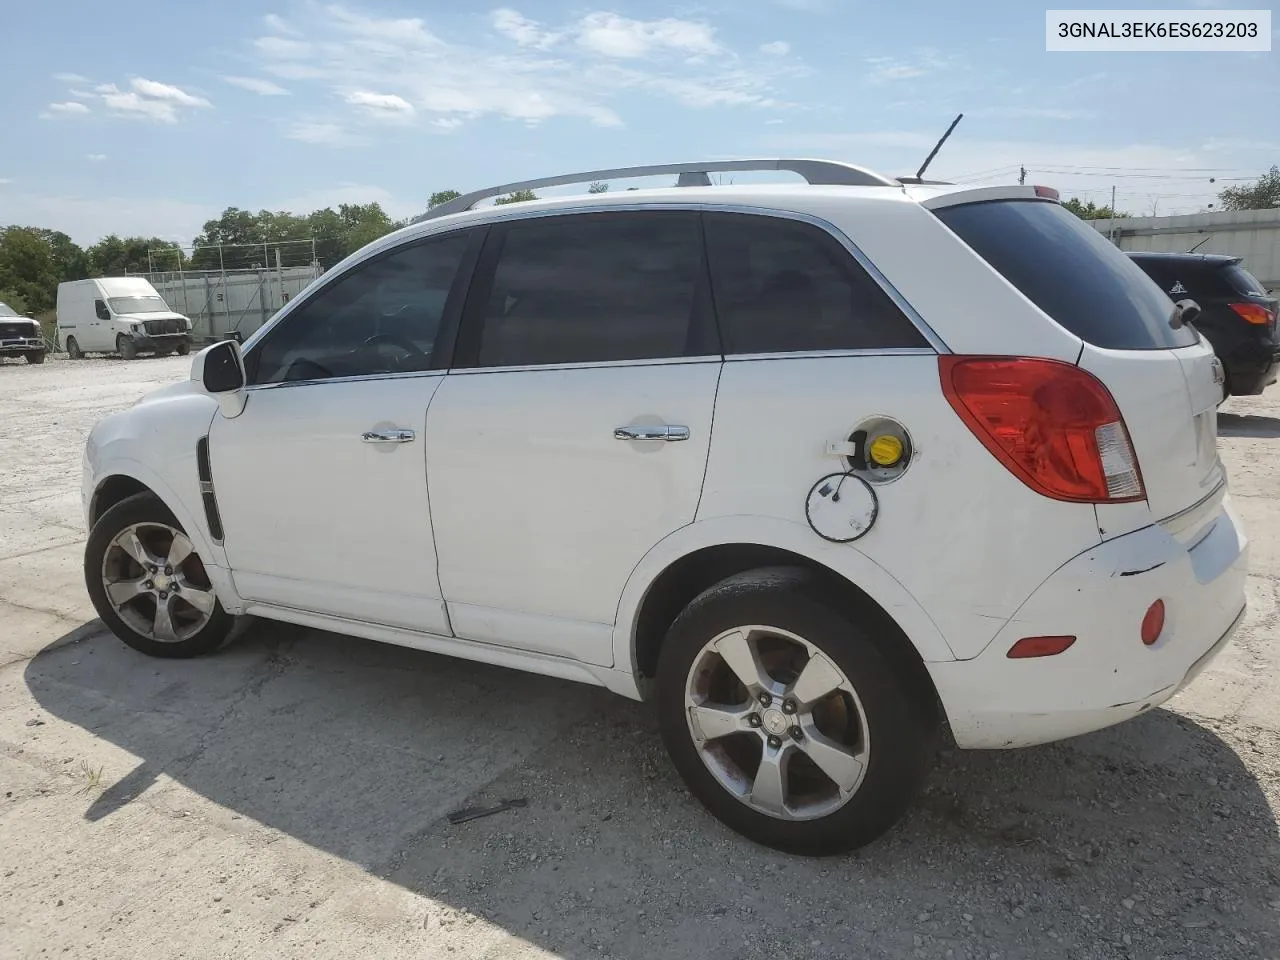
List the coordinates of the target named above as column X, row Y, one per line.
column 114, row 256
column 14, row 301
column 28, row 270
column 442, row 196
column 1091, row 211
column 71, row 262
column 1262, row 195
column 519, row 196
column 598, row 186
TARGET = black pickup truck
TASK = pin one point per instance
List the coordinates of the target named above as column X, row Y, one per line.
column 20, row 336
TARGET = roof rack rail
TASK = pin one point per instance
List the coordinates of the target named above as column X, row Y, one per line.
column 694, row 174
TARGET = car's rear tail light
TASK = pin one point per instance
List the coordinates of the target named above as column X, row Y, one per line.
column 1054, row 426
column 1153, row 623
column 1253, row 313
column 1039, row 647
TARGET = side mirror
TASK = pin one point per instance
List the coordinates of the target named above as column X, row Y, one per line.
column 220, row 370
column 1184, row 312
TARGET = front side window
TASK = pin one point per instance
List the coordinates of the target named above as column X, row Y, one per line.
column 100, row 310
column 782, row 286
column 594, row 288
column 381, row 317
column 138, row 305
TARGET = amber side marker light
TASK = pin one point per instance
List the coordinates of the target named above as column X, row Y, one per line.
column 1039, row 647
column 1153, row 623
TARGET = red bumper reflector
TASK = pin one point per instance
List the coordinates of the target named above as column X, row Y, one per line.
column 1153, row 623
column 1039, row 647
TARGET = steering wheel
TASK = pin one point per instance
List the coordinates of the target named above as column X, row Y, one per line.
column 409, row 348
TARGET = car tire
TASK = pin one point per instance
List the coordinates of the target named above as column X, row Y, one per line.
column 885, row 728
column 127, row 349
column 164, row 351
column 35, row 356
column 73, row 349
column 184, row 349
column 149, row 585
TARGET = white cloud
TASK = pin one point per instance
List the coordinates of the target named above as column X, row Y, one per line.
column 778, row 48
column 67, row 108
column 71, row 78
column 385, row 105
column 524, row 70
column 890, row 69
column 264, row 88
column 528, row 33
column 331, row 134
column 1031, row 113
column 277, row 23
column 611, row 35
column 148, row 100
column 95, row 157
column 5, row 180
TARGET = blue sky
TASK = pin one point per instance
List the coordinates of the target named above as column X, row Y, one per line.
column 153, row 117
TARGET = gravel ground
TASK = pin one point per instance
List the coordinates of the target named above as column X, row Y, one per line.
column 286, row 798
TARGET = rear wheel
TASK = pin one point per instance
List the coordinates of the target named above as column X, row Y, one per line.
column 784, row 718
column 183, row 349
column 149, row 585
column 127, row 349
column 73, row 349
column 35, row 356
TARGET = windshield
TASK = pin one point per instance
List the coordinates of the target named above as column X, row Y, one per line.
column 138, row 305
column 7, row 311
column 1071, row 272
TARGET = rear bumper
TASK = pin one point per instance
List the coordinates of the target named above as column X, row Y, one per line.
column 1251, row 370
column 1107, row 675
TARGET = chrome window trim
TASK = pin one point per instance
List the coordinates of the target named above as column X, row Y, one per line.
column 359, row 378
column 590, row 365
column 821, row 354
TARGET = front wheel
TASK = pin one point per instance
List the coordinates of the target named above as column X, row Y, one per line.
column 35, row 356
column 73, row 349
column 127, row 349
column 786, row 720
column 183, row 349
column 149, row 585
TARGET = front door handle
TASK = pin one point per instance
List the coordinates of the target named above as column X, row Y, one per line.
column 394, row 435
column 667, row 432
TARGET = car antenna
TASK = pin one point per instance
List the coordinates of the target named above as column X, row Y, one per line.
column 937, row 146
column 1201, row 244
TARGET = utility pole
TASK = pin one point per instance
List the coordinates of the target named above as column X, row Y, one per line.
column 1022, row 175
column 1111, row 227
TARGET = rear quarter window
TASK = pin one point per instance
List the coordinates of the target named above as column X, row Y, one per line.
column 1242, row 281
column 1070, row 271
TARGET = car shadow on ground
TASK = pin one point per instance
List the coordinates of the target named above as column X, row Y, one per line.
column 1248, row 425
column 360, row 749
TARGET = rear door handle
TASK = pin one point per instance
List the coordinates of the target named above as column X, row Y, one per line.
column 394, row 435
column 668, row 432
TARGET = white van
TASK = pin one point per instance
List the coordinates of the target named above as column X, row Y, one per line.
column 121, row 315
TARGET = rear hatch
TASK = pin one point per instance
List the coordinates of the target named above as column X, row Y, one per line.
column 1165, row 380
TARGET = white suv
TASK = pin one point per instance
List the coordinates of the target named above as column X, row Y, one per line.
column 821, row 468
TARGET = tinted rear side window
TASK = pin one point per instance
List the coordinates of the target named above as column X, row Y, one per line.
column 1242, row 281
column 784, row 286
column 597, row 288
column 1071, row 272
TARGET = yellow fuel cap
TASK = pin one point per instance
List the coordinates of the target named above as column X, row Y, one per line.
column 885, row 450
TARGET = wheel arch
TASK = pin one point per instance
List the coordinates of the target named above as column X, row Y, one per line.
column 688, row 562
column 124, row 479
